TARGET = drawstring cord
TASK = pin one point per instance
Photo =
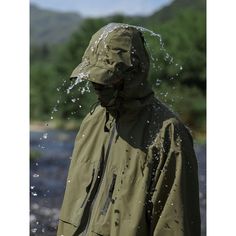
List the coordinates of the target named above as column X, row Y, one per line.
column 107, row 118
column 93, row 107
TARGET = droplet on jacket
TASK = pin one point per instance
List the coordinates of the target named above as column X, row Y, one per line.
column 35, row 175
column 116, row 211
column 32, row 187
column 167, row 226
column 172, row 204
column 68, row 181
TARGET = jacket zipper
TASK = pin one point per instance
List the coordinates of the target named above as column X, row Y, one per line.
column 101, row 178
column 109, row 195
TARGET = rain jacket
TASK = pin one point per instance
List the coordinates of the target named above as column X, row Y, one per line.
column 138, row 177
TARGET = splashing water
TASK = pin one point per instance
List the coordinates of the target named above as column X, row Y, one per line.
column 82, row 77
column 35, row 175
column 45, row 135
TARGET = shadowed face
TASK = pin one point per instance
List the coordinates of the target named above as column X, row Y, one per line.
column 107, row 93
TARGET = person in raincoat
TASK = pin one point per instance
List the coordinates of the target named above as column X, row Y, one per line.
column 133, row 170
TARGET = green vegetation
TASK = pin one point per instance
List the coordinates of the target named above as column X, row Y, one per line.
column 183, row 82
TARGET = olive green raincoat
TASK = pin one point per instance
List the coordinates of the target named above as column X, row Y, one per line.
column 139, row 175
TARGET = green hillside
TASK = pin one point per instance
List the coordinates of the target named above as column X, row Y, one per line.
column 50, row 27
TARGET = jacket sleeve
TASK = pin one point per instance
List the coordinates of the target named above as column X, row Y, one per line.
column 173, row 202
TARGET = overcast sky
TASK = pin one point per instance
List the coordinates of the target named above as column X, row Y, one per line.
column 94, row 8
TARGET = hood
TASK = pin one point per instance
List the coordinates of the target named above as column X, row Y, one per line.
column 117, row 52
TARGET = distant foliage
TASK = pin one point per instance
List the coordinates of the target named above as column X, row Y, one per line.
column 184, row 38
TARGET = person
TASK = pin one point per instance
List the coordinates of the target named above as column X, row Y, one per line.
column 133, row 170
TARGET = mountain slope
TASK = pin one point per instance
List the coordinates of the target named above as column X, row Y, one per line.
column 50, row 27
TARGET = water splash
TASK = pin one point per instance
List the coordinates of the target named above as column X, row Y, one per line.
column 79, row 79
column 45, row 135
column 34, row 194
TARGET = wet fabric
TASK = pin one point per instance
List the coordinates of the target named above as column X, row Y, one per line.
column 141, row 177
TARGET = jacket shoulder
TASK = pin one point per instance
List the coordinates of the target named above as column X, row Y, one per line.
column 173, row 130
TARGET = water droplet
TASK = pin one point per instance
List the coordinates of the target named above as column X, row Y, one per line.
column 34, row 194
column 34, row 230
column 45, row 135
column 51, row 117
column 73, row 100
column 32, row 187
column 35, row 175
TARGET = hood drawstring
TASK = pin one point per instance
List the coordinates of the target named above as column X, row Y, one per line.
column 93, row 107
column 106, row 129
column 107, row 118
